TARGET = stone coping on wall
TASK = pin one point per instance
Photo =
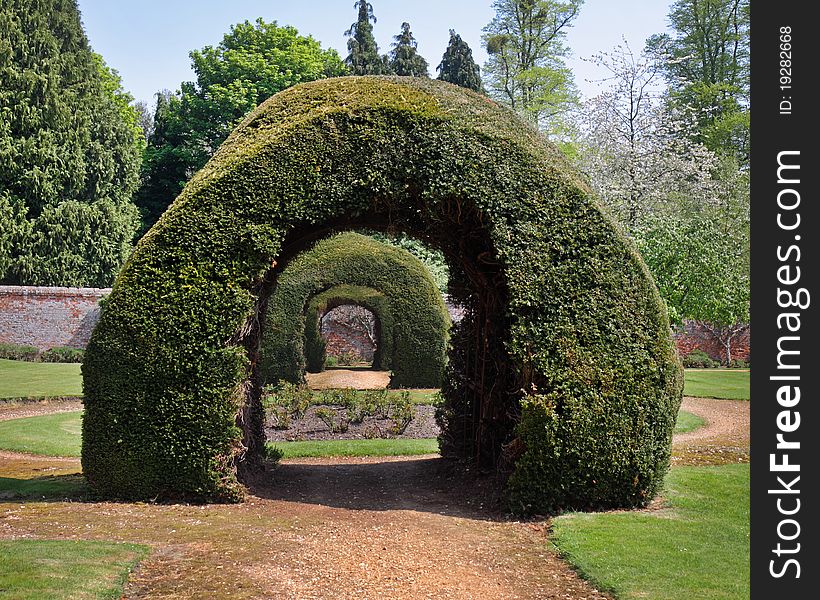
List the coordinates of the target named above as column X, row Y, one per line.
column 32, row 290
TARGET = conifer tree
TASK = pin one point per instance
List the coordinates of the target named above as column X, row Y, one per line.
column 457, row 65
column 69, row 152
column 404, row 57
column 363, row 57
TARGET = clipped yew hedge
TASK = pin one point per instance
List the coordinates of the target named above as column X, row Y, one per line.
column 562, row 373
column 340, row 295
column 413, row 319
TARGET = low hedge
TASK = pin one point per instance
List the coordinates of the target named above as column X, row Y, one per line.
column 411, row 312
column 562, row 373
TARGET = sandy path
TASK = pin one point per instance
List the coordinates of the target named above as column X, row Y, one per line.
column 724, row 437
column 361, row 379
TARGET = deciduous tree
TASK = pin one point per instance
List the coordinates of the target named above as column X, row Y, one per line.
column 526, row 46
column 251, row 63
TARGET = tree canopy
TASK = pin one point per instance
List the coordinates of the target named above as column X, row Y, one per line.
column 526, row 48
column 457, row 65
column 251, row 63
column 404, row 57
column 707, row 67
column 70, row 148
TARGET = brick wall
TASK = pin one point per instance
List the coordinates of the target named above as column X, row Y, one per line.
column 345, row 335
column 693, row 336
column 48, row 316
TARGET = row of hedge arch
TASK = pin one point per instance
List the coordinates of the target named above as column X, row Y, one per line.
column 341, row 295
column 413, row 319
column 562, row 373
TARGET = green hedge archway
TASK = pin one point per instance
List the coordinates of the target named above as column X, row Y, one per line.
column 414, row 319
column 341, row 295
column 562, row 372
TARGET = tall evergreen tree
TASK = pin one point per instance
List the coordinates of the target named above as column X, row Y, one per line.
column 457, row 65
column 69, row 151
column 363, row 57
column 251, row 63
column 404, row 57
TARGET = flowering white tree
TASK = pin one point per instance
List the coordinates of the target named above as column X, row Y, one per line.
column 634, row 149
column 686, row 208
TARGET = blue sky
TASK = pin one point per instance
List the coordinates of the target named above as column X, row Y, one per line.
column 148, row 42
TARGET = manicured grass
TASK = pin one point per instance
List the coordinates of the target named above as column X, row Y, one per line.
column 375, row 447
column 59, row 435
column 732, row 384
column 697, row 547
column 58, row 569
column 53, row 435
column 419, row 396
column 687, row 422
column 21, row 379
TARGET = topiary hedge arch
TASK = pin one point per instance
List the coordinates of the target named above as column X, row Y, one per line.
column 562, row 372
column 412, row 315
column 340, row 295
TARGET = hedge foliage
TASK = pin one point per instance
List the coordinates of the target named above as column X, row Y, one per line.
column 412, row 315
column 372, row 300
column 562, row 372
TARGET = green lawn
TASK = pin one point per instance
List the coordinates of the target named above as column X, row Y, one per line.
column 53, row 435
column 697, row 547
column 374, row 447
column 732, row 384
column 21, row 379
column 687, row 422
column 58, row 569
column 59, row 435
column 44, row 487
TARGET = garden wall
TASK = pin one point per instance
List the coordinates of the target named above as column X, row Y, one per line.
column 693, row 336
column 46, row 317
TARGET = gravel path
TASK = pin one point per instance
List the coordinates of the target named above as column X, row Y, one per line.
column 19, row 410
column 723, row 439
column 360, row 379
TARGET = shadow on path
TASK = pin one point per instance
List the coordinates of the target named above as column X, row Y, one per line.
column 428, row 484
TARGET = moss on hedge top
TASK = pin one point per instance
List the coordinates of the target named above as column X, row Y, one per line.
column 564, row 362
column 414, row 321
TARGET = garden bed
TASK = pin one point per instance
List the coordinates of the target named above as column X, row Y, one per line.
column 311, row 427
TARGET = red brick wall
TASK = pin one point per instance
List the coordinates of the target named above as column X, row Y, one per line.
column 48, row 316
column 693, row 336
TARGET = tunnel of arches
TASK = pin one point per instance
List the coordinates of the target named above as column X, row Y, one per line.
column 390, row 281
column 351, row 312
column 562, row 375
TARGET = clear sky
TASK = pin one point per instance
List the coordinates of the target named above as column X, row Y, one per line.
column 148, row 41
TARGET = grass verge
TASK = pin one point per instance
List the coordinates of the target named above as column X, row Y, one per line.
column 730, row 384
column 21, row 379
column 57, row 434
column 687, row 422
column 49, row 487
column 696, row 547
column 375, row 447
column 58, row 569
